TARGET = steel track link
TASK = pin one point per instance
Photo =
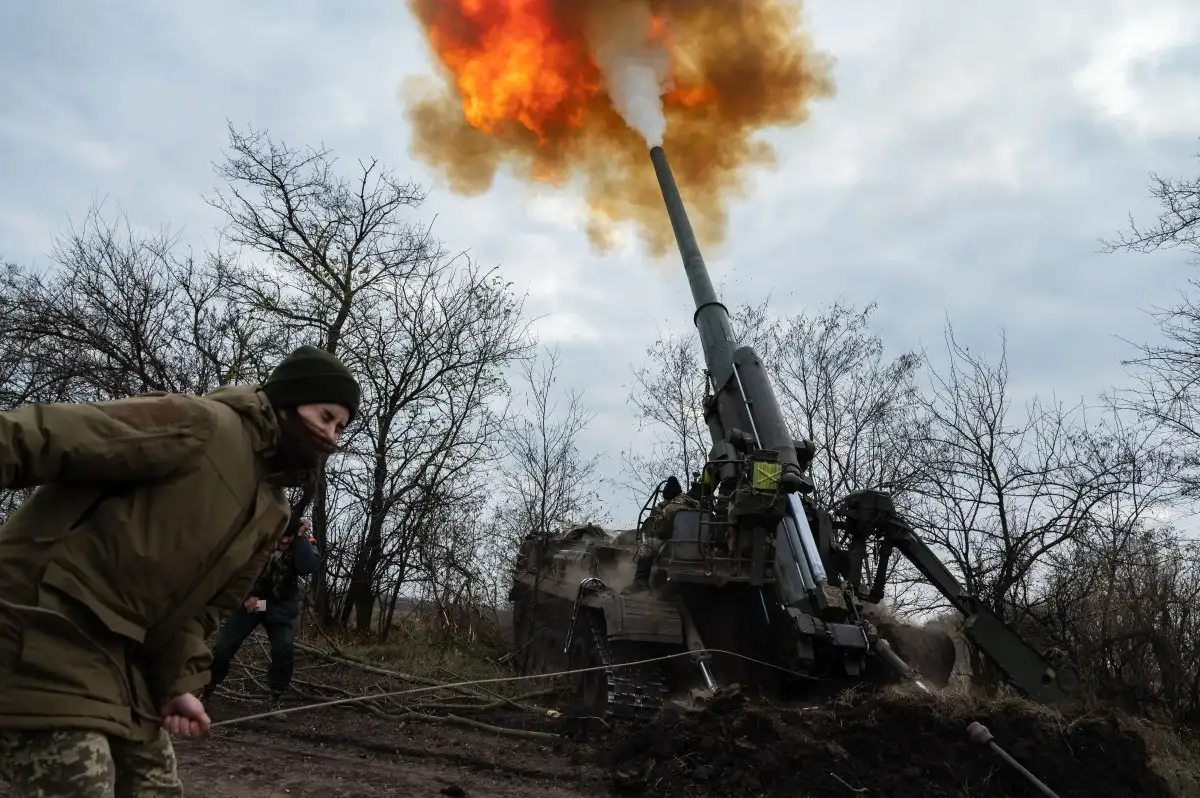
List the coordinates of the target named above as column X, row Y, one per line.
column 636, row 692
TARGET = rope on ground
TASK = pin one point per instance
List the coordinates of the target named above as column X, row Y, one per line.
column 501, row 679
column 976, row 731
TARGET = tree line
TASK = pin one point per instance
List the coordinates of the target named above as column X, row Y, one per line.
column 1058, row 515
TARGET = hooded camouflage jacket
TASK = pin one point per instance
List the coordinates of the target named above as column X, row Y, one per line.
column 153, row 517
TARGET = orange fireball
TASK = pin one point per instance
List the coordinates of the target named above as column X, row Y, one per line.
column 512, row 61
column 523, row 88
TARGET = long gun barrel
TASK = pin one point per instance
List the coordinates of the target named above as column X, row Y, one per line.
column 712, row 317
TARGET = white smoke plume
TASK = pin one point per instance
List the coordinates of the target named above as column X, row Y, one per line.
column 635, row 67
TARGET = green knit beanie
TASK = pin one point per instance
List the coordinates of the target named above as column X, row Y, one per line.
column 312, row 376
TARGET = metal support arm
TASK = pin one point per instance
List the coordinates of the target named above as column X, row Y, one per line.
column 1032, row 673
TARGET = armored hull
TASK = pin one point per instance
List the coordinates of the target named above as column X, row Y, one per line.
column 710, row 621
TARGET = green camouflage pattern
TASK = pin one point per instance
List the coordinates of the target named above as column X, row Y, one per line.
column 663, row 515
column 153, row 518
column 650, row 547
column 658, row 524
column 86, row 764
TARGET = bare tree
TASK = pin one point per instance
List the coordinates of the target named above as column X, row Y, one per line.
column 459, row 587
column 1167, row 372
column 1178, row 223
column 429, row 355
column 668, row 395
column 1165, row 390
column 124, row 313
column 835, row 386
column 23, row 377
column 1000, row 493
column 329, row 241
column 1123, row 603
column 837, row 389
column 318, row 247
column 548, row 483
column 20, row 378
column 1121, row 596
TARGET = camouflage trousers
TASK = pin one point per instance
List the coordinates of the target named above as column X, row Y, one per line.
column 86, row 764
column 649, row 548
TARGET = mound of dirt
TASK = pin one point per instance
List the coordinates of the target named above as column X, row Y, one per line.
column 896, row 746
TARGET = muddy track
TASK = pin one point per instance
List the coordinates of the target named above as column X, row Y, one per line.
column 898, row 747
column 268, row 730
column 340, row 754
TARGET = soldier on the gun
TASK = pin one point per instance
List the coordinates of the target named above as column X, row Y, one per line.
column 656, row 531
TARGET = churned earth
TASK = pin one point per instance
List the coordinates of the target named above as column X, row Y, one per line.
column 857, row 746
column 893, row 746
column 430, row 738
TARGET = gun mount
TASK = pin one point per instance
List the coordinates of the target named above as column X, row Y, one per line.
column 746, row 563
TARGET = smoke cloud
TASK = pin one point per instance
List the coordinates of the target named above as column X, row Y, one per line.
column 574, row 91
column 635, row 64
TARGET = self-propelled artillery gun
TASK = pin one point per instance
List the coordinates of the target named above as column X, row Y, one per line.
column 755, row 581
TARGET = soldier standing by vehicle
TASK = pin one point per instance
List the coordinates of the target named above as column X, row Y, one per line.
column 657, row 531
column 274, row 601
column 152, row 518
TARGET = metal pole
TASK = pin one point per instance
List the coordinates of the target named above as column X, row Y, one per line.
column 978, row 733
column 711, row 318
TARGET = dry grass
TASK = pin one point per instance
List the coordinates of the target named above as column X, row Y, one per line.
column 412, row 648
column 1174, row 755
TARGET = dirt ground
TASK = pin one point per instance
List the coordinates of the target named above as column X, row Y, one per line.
column 336, row 753
column 857, row 747
column 882, row 745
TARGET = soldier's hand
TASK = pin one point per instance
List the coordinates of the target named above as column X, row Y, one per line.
column 251, row 604
column 184, row 715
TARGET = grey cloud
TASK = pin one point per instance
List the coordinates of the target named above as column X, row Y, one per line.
column 968, row 165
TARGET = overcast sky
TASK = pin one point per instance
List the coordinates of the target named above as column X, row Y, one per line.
column 972, row 158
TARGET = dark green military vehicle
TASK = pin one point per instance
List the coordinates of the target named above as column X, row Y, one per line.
column 755, row 584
